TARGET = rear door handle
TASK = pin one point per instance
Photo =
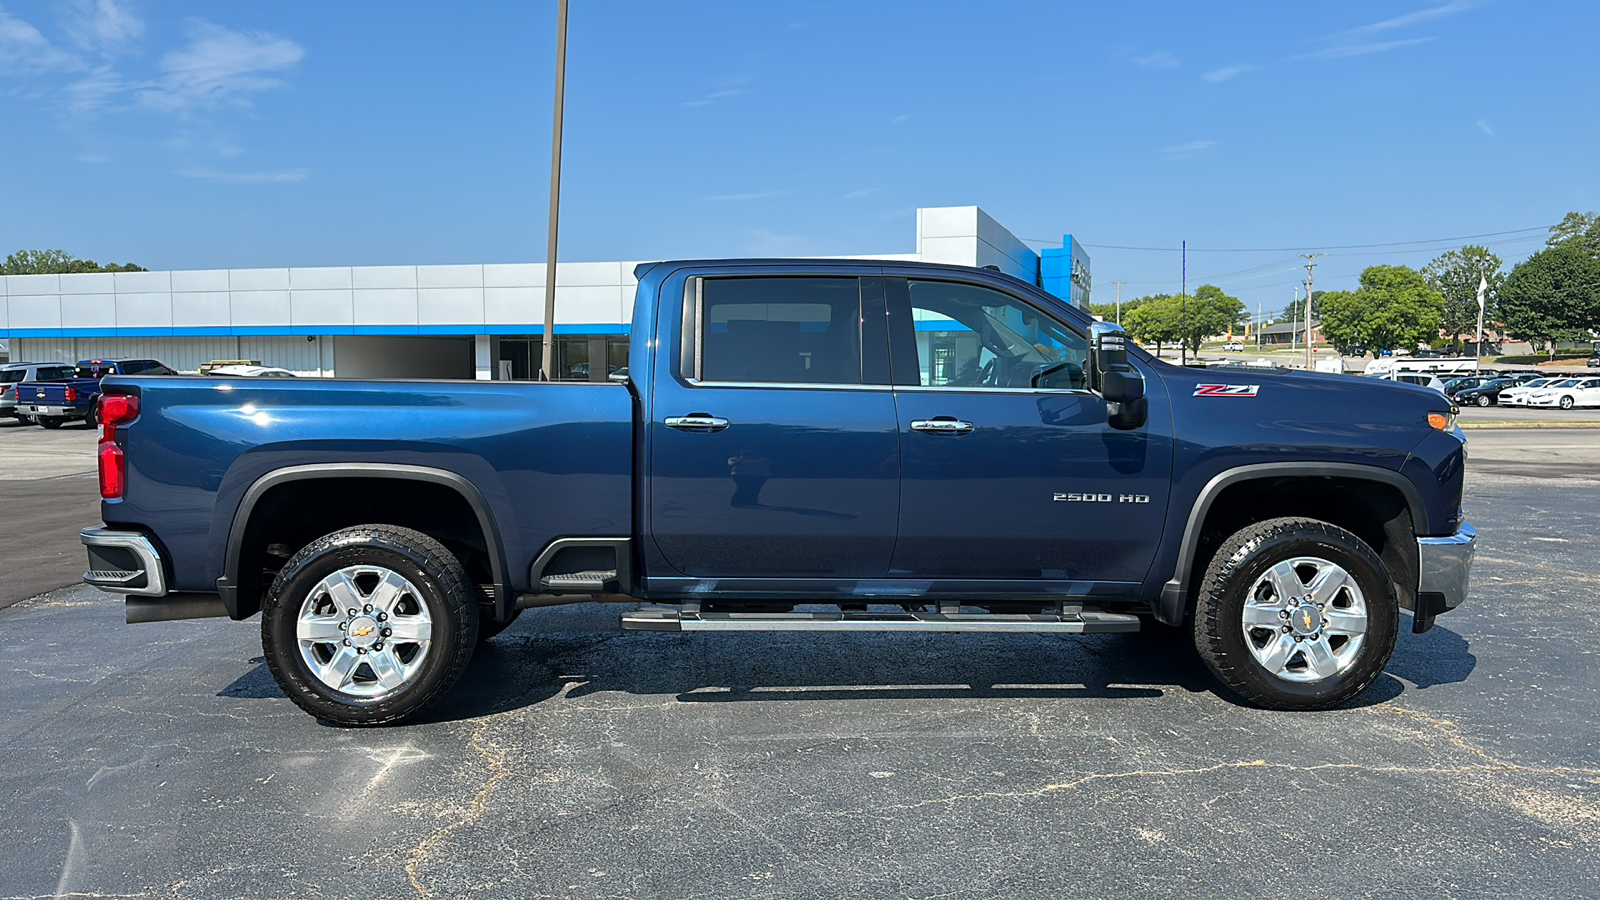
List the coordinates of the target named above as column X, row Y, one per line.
column 696, row 422
column 942, row 425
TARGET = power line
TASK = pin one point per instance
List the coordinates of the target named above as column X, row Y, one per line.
column 1464, row 237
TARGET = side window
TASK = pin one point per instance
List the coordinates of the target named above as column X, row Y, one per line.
column 131, row 367
column 781, row 330
column 970, row 336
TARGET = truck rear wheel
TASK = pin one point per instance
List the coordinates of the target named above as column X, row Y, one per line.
column 369, row 625
column 1296, row 614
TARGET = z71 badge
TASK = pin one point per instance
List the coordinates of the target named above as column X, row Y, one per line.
column 1226, row 390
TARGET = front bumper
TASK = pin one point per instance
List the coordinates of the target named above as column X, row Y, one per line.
column 1444, row 568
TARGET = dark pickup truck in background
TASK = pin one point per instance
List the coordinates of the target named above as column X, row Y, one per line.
column 818, row 446
column 76, row 395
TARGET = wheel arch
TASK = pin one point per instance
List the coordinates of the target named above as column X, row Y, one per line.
column 1383, row 505
column 241, row 604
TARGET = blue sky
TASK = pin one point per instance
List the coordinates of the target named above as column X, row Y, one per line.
column 205, row 135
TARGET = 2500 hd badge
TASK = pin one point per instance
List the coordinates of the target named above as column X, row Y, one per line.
column 1101, row 498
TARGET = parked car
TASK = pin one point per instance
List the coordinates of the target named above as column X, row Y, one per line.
column 1593, row 362
column 54, row 403
column 250, row 372
column 1486, row 394
column 14, row 374
column 785, row 436
column 1568, row 393
column 1234, row 347
column 1517, row 395
column 1453, row 385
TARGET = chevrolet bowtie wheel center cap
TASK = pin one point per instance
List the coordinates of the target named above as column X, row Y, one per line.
column 364, row 631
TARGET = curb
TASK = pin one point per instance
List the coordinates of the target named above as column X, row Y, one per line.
column 1529, row 424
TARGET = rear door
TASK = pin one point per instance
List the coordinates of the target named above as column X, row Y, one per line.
column 1004, row 479
column 773, row 443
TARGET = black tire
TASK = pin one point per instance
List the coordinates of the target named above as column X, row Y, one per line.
column 441, row 589
column 50, row 422
column 488, row 627
column 1242, row 563
column 1566, row 402
column 1483, row 400
column 93, row 418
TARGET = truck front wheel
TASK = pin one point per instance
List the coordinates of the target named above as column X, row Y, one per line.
column 369, row 625
column 1296, row 614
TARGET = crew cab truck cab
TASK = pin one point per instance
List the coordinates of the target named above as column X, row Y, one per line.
column 814, row 446
column 53, row 403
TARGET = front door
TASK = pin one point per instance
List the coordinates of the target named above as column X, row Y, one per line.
column 773, row 448
column 1003, row 479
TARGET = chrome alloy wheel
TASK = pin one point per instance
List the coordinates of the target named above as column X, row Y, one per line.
column 1305, row 620
column 364, row 630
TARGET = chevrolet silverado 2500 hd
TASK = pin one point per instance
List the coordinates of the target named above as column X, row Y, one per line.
column 816, row 446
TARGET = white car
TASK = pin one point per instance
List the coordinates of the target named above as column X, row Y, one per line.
column 1568, row 393
column 1518, row 396
column 250, row 372
column 1233, row 347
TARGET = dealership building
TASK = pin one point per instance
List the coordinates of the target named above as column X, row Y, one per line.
column 456, row 321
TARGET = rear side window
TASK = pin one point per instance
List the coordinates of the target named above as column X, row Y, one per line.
column 12, row 375
column 55, row 373
column 781, row 330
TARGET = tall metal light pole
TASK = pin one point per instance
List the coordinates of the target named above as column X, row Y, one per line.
column 1183, row 305
column 555, row 197
column 1119, row 285
column 1483, row 288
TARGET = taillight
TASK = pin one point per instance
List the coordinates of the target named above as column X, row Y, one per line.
column 72, row 395
column 115, row 409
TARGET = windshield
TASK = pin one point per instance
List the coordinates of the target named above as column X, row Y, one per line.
column 1570, row 382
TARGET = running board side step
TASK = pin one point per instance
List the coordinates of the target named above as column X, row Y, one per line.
column 1087, row 621
column 594, row 582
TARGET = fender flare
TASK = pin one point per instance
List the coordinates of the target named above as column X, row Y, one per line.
column 228, row 584
column 1173, row 603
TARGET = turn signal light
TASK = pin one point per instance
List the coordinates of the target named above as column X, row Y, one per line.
column 1442, row 421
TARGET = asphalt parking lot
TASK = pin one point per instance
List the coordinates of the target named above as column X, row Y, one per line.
column 575, row 760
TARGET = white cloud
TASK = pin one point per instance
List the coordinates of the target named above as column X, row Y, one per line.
column 771, row 243
column 24, row 51
column 861, row 193
column 221, row 67
column 1226, row 72
column 762, row 195
column 95, row 91
column 102, row 24
column 286, row 176
column 1159, row 59
column 1191, row 147
column 1345, row 51
column 1484, row 127
column 1421, row 15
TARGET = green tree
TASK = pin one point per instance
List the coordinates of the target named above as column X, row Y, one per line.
column 57, row 262
column 1108, row 311
column 1209, row 312
column 1583, row 229
column 1455, row 275
column 1155, row 320
column 1553, row 295
column 1295, row 312
column 1393, row 308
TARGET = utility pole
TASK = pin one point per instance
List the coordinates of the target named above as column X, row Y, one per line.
column 555, row 201
column 1260, row 321
column 1311, row 263
column 1119, row 285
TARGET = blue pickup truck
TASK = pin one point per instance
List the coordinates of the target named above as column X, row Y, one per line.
column 53, row 402
column 813, row 446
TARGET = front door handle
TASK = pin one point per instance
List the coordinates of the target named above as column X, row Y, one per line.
column 696, row 422
column 942, row 425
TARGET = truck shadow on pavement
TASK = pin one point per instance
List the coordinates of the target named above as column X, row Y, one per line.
column 529, row 665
